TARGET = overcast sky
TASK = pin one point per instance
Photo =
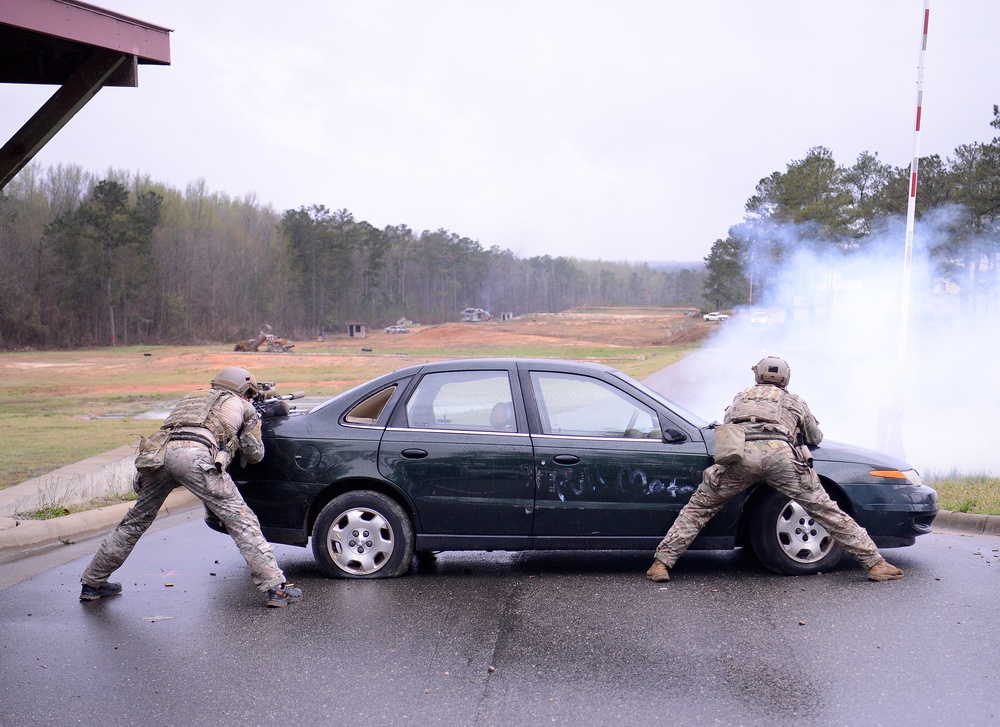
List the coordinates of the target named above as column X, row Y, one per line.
column 602, row 130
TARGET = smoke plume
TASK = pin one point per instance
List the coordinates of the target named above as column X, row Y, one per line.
column 836, row 320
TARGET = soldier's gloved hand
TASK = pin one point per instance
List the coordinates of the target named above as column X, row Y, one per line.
column 277, row 408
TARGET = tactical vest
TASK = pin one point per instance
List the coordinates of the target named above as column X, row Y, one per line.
column 197, row 409
column 761, row 411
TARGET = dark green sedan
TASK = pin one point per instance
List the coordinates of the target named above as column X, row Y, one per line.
column 523, row 454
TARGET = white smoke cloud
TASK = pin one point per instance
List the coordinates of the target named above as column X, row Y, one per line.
column 836, row 320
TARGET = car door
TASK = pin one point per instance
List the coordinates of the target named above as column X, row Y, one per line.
column 456, row 446
column 608, row 465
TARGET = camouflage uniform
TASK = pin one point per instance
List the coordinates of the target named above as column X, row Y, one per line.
column 771, row 418
column 207, row 426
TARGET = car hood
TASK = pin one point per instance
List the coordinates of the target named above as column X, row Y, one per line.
column 830, row 451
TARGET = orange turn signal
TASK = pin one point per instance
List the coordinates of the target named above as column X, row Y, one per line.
column 891, row 474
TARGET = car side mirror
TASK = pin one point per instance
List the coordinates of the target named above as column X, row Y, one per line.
column 673, row 436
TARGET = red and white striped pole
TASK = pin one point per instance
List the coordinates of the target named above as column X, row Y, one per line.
column 890, row 423
column 912, row 203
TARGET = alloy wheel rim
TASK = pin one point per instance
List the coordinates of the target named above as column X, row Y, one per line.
column 361, row 541
column 800, row 537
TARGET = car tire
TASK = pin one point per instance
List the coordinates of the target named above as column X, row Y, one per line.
column 787, row 540
column 363, row 534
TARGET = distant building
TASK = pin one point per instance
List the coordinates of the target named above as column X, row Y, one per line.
column 357, row 330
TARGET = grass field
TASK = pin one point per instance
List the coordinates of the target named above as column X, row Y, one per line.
column 70, row 405
column 978, row 494
column 64, row 406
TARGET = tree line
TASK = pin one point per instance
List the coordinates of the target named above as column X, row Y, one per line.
column 122, row 260
column 119, row 259
column 844, row 211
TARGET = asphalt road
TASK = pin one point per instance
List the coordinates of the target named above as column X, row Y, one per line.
column 503, row 639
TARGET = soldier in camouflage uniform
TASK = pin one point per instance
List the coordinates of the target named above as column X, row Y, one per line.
column 772, row 419
column 192, row 449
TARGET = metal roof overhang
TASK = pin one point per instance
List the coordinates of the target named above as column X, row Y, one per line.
column 79, row 47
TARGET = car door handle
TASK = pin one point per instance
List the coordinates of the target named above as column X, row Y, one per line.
column 566, row 459
column 414, row 453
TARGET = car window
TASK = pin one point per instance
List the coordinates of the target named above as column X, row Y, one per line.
column 575, row 405
column 673, row 406
column 467, row 400
column 367, row 411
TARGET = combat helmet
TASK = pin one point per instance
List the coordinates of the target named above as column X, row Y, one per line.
column 237, row 380
column 772, row 370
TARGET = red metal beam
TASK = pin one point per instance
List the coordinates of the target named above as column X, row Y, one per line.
column 59, row 109
column 89, row 25
column 79, row 47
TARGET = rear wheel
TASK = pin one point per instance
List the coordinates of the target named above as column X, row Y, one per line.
column 363, row 534
column 787, row 540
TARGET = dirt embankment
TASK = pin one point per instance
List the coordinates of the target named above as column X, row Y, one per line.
column 634, row 327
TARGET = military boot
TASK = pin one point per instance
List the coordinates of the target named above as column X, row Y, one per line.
column 95, row 593
column 884, row 571
column 658, row 572
column 282, row 595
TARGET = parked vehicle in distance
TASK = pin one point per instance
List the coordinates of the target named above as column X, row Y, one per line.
column 758, row 318
column 715, row 316
column 397, row 329
column 535, row 454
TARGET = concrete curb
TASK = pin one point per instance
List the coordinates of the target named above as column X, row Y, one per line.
column 106, row 474
column 30, row 537
column 967, row 522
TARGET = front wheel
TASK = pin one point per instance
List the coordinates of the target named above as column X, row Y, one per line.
column 787, row 540
column 363, row 534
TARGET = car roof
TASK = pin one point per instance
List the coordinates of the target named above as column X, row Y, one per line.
column 475, row 364
column 543, row 364
column 552, row 364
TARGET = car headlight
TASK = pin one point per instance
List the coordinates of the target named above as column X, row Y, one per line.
column 911, row 477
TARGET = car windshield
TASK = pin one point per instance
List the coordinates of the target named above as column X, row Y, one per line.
column 688, row 416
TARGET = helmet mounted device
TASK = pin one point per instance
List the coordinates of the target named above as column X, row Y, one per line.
column 772, row 370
